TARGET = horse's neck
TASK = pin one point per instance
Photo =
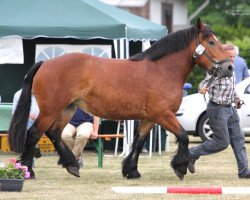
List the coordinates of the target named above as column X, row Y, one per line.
column 180, row 65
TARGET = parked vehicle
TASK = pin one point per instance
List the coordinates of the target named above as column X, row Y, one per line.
column 192, row 113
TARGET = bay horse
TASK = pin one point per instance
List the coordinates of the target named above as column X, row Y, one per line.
column 146, row 87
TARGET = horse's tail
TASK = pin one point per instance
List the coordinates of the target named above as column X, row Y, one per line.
column 18, row 125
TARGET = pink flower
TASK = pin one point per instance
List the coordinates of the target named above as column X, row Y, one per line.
column 24, row 168
column 12, row 160
column 27, row 175
column 18, row 165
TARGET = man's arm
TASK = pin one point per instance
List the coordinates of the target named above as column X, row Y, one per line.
column 95, row 128
column 203, row 85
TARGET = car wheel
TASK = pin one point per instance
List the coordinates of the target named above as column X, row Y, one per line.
column 204, row 129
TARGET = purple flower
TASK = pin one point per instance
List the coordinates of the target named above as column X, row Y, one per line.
column 24, row 168
column 27, row 175
column 18, row 165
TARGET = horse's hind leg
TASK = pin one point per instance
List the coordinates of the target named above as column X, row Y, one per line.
column 67, row 158
column 129, row 165
column 27, row 157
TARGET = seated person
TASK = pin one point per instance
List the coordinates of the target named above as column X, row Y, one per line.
column 77, row 132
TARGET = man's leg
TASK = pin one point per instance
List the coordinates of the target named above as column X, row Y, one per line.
column 237, row 139
column 220, row 141
column 68, row 135
column 83, row 133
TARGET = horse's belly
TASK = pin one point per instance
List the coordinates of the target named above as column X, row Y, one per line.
column 115, row 110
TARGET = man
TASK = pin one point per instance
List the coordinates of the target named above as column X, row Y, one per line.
column 223, row 120
column 77, row 132
column 240, row 67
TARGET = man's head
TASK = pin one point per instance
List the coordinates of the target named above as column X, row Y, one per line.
column 230, row 51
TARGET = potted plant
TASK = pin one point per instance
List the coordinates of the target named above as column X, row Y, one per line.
column 12, row 176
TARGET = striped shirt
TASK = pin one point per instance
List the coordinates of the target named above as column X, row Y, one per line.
column 221, row 91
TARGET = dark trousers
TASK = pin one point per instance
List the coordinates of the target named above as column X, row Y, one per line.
column 224, row 122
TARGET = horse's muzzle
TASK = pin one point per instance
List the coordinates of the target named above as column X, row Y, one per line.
column 225, row 70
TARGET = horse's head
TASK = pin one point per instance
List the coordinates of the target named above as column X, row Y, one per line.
column 209, row 52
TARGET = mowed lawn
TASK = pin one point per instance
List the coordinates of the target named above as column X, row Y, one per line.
column 53, row 182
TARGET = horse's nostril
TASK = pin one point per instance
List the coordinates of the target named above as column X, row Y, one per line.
column 230, row 67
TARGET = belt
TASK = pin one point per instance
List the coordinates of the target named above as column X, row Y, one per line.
column 216, row 104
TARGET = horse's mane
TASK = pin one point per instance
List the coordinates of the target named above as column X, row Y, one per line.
column 170, row 43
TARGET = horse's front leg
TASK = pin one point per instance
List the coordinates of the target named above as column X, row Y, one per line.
column 129, row 165
column 181, row 159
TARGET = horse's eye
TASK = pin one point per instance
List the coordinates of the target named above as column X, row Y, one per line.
column 211, row 42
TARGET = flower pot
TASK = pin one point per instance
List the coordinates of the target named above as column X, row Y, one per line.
column 14, row 185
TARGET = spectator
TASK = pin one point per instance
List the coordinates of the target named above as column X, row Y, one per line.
column 34, row 112
column 240, row 67
column 78, row 131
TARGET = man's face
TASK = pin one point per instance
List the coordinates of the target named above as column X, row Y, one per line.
column 231, row 54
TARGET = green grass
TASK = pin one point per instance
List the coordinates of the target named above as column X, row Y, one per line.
column 53, row 182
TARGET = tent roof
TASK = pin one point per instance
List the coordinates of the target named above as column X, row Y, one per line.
column 83, row 19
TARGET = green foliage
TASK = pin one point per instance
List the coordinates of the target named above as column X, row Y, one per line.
column 196, row 76
column 244, row 15
column 228, row 33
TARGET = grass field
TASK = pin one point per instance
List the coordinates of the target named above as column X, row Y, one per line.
column 53, row 182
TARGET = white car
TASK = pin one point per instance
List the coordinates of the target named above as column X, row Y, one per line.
column 192, row 113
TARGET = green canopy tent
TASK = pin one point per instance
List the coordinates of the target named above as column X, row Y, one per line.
column 65, row 21
column 32, row 20
column 83, row 19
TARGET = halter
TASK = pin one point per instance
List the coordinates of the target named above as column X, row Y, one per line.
column 200, row 49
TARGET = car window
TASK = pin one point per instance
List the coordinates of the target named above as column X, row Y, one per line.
column 247, row 90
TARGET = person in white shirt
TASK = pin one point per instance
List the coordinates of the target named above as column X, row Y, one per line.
column 34, row 112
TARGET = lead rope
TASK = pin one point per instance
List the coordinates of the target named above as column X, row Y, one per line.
column 210, row 81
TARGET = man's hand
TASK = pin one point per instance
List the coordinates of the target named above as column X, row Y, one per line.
column 203, row 90
column 238, row 103
column 94, row 135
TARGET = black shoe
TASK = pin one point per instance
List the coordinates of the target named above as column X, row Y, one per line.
column 37, row 153
column 247, row 175
column 191, row 167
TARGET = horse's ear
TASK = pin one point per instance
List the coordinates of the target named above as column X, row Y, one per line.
column 199, row 25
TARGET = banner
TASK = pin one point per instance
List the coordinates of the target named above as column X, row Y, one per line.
column 11, row 51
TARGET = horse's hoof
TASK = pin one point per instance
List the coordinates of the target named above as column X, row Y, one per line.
column 32, row 177
column 132, row 175
column 59, row 162
column 180, row 175
column 73, row 170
